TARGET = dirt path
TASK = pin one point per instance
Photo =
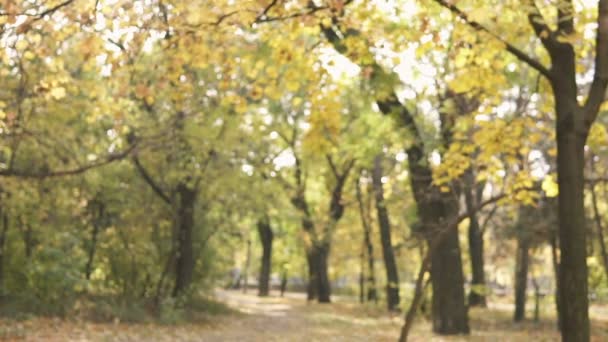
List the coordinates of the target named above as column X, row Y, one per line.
column 288, row 319
column 293, row 319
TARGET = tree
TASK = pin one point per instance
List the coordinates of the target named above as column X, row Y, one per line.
column 266, row 237
column 574, row 121
column 392, row 278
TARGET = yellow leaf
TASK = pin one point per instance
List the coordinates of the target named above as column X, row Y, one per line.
column 549, row 186
column 58, row 93
column 149, row 100
column 28, row 55
column 21, row 45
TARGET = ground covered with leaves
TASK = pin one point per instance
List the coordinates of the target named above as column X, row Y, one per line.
column 285, row 319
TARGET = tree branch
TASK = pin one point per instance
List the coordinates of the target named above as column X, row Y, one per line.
column 70, row 172
column 148, row 178
column 597, row 92
column 512, row 49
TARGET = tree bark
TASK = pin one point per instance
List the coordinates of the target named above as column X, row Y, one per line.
column 390, row 265
column 598, row 221
column 312, row 287
column 449, row 312
column 571, row 138
column 521, row 276
column 555, row 260
column 184, row 230
column 478, row 280
column 266, row 237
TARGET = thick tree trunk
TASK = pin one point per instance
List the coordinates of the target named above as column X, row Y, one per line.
column 324, row 286
column 521, row 276
column 313, row 279
column 319, row 287
column 184, row 258
column 435, row 208
column 571, row 136
column 598, row 221
column 266, row 237
column 477, row 293
column 390, row 265
column 449, row 311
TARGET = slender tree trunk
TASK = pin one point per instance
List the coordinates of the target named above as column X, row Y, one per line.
column 184, row 263
column 536, row 299
column 266, row 237
column 3, row 236
column 27, row 235
column 390, row 265
column 362, row 275
column 246, row 270
column 283, row 282
column 365, row 213
column 521, row 276
column 555, row 260
column 97, row 221
column 477, row 293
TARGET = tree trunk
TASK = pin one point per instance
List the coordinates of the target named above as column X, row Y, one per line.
column 266, row 237
column 555, row 260
column 449, row 311
column 2, row 248
column 283, row 282
column 184, row 258
column 477, row 293
column 97, row 218
column 246, row 268
column 571, row 136
column 521, row 276
column 362, row 275
column 365, row 213
column 313, row 280
column 598, row 222
column 324, row 286
column 536, row 300
column 392, row 276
